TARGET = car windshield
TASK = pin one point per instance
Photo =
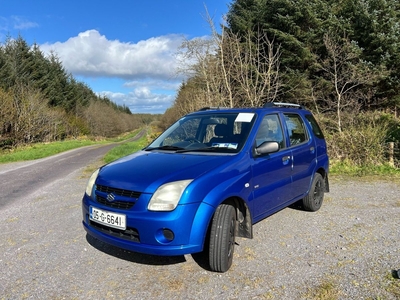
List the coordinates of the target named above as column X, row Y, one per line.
column 206, row 132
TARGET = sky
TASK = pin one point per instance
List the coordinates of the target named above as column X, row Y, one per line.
column 125, row 50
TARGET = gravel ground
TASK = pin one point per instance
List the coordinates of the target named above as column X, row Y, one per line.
column 347, row 250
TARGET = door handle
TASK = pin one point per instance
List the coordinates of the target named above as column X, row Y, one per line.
column 312, row 149
column 285, row 159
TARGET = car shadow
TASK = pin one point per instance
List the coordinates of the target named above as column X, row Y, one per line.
column 202, row 260
column 297, row 206
column 135, row 257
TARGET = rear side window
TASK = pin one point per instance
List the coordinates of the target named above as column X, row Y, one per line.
column 315, row 127
column 297, row 130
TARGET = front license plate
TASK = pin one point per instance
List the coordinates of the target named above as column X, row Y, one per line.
column 107, row 218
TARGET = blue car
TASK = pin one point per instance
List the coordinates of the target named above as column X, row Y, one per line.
column 207, row 179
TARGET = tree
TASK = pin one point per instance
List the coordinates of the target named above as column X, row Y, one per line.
column 7, row 116
column 229, row 71
column 40, row 101
column 346, row 80
column 374, row 25
column 298, row 27
column 256, row 70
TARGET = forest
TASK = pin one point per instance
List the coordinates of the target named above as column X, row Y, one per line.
column 340, row 59
column 41, row 102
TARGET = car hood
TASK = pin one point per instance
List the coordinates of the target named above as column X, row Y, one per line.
column 145, row 171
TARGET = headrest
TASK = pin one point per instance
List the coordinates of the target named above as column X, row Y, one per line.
column 221, row 130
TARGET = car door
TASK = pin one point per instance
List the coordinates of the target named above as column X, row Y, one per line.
column 303, row 148
column 271, row 173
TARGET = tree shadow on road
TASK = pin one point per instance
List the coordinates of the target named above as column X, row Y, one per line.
column 135, row 257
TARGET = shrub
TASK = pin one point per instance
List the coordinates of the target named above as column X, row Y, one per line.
column 362, row 142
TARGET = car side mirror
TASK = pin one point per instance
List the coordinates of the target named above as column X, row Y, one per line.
column 267, row 148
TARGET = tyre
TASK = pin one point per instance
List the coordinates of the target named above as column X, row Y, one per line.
column 222, row 238
column 313, row 201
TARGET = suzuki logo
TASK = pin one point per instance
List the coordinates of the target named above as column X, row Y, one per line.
column 110, row 197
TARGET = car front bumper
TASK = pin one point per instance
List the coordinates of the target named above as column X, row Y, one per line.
column 181, row 231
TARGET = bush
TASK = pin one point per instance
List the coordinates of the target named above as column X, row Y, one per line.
column 362, row 142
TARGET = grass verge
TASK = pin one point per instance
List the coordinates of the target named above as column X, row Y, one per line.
column 41, row 150
column 125, row 149
column 348, row 169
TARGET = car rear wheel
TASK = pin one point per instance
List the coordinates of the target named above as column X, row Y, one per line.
column 222, row 238
column 313, row 201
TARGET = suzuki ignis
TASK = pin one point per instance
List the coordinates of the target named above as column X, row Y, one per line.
column 207, row 179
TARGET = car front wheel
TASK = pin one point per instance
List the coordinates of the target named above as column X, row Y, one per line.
column 222, row 238
column 313, row 201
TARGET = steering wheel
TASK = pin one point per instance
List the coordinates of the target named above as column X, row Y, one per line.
column 192, row 140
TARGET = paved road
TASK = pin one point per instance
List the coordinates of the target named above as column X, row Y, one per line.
column 20, row 180
column 347, row 249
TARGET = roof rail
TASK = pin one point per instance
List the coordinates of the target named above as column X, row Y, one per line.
column 210, row 108
column 280, row 104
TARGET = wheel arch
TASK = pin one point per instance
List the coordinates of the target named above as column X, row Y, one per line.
column 244, row 227
column 324, row 175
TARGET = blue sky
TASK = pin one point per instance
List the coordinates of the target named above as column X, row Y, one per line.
column 124, row 49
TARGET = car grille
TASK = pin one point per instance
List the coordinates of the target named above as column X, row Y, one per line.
column 120, row 192
column 129, row 234
column 115, row 204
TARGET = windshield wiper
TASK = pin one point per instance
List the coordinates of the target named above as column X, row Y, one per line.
column 171, row 148
column 200, row 149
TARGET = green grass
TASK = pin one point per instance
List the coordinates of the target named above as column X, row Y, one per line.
column 41, row 150
column 327, row 290
column 349, row 169
column 126, row 136
column 125, row 149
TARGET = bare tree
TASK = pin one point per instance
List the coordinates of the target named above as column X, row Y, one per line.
column 347, row 79
column 195, row 59
column 229, row 71
column 256, row 68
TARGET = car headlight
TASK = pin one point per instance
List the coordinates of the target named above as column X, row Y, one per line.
column 167, row 196
column 90, row 184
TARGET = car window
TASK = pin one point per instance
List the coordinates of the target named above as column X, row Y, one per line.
column 296, row 129
column 214, row 132
column 315, row 127
column 187, row 130
column 270, row 130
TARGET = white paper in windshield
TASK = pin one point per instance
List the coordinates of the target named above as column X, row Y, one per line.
column 244, row 117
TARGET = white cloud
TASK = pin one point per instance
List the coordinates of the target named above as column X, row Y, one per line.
column 92, row 54
column 141, row 100
column 15, row 22
column 155, row 84
column 148, row 67
column 22, row 23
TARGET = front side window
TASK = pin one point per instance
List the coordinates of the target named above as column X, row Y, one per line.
column 270, row 130
column 185, row 132
column 296, row 129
